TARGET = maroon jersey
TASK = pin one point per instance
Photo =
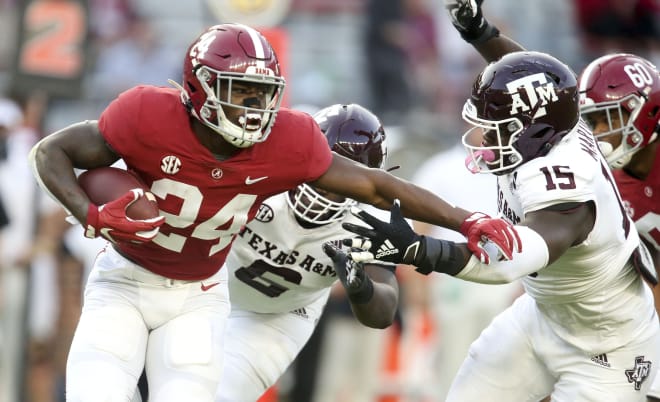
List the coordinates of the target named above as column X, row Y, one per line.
column 642, row 200
column 205, row 202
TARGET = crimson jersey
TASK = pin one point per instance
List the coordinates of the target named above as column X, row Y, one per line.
column 642, row 201
column 205, row 202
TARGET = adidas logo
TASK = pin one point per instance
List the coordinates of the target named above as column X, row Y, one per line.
column 385, row 249
column 601, row 360
column 301, row 312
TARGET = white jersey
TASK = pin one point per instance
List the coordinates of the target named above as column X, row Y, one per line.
column 276, row 265
column 591, row 293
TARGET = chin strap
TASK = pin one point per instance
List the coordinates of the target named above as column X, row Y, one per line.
column 185, row 99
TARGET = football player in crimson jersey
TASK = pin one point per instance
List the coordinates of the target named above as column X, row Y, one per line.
column 280, row 278
column 620, row 101
column 211, row 150
column 586, row 328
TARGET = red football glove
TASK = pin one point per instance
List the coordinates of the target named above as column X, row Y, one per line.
column 480, row 228
column 110, row 221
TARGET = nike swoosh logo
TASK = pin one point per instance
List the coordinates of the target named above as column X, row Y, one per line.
column 249, row 181
column 207, row 287
column 105, row 232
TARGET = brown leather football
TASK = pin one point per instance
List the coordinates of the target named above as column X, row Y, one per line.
column 106, row 184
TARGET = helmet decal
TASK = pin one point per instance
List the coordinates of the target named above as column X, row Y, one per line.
column 538, row 95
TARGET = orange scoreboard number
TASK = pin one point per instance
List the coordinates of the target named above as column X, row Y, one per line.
column 51, row 52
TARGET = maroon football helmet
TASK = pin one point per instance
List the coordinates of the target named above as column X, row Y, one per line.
column 354, row 132
column 521, row 106
column 618, row 82
column 220, row 58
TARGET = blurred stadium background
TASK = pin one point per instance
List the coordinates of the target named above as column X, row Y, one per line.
column 62, row 61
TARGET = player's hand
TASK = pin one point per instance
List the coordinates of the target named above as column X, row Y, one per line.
column 467, row 18
column 480, row 228
column 393, row 242
column 358, row 285
column 350, row 273
column 110, row 221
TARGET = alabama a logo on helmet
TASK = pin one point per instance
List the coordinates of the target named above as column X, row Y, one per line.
column 538, row 90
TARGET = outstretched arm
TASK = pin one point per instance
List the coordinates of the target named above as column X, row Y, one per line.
column 468, row 19
column 379, row 188
column 547, row 234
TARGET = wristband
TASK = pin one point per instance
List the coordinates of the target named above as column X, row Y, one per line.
column 439, row 256
column 480, row 35
column 363, row 294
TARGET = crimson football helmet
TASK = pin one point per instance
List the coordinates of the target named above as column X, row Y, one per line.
column 216, row 61
column 520, row 107
column 354, row 132
column 617, row 82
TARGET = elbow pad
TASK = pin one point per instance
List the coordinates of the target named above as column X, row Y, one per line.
column 534, row 257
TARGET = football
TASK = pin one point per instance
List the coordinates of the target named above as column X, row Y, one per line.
column 106, row 184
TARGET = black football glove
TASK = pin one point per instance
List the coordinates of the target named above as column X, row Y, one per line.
column 393, row 242
column 359, row 287
column 467, row 18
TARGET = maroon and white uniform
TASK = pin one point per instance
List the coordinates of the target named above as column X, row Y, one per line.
column 642, row 201
column 163, row 305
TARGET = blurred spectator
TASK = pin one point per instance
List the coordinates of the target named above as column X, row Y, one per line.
column 8, row 30
column 136, row 57
column 385, row 51
column 18, row 191
column 422, row 55
column 110, row 19
column 619, row 25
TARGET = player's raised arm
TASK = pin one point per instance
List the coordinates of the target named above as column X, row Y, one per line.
column 468, row 19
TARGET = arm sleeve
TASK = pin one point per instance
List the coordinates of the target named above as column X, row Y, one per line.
column 533, row 258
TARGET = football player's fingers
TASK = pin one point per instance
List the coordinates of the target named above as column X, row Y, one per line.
column 128, row 198
column 329, row 249
column 366, row 217
column 516, row 239
column 335, row 253
column 501, row 237
column 138, row 225
column 503, row 246
column 359, row 230
column 149, row 234
column 476, row 248
column 157, row 220
column 361, row 256
column 357, row 242
column 395, row 211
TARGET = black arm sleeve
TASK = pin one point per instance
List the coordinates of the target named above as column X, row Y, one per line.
column 440, row 256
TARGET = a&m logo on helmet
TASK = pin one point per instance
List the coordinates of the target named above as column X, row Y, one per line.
column 539, row 93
